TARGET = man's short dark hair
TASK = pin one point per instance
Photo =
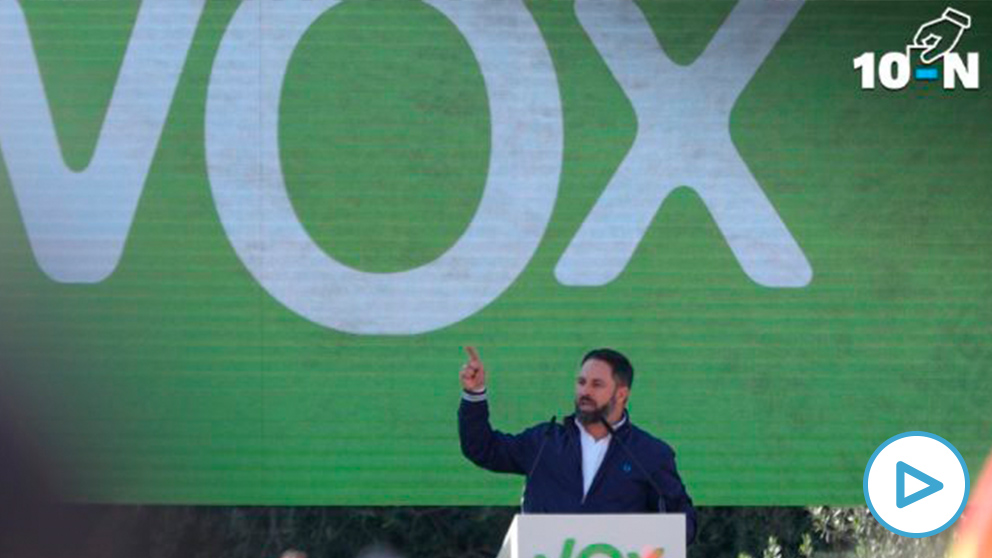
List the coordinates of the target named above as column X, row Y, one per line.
column 623, row 372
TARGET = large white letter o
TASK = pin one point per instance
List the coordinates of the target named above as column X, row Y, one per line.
column 246, row 177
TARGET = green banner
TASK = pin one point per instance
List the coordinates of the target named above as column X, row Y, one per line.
column 242, row 244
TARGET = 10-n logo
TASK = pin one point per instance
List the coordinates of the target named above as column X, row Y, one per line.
column 934, row 41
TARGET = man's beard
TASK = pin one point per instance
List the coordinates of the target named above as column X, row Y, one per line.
column 595, row 415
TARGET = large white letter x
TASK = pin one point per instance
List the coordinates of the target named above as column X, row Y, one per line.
column 683, row 137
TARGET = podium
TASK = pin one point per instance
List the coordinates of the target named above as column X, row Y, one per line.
column 595, row 536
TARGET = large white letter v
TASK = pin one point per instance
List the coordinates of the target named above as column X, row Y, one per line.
column 77, row 222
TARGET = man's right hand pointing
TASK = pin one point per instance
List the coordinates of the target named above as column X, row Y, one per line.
column 473, row 375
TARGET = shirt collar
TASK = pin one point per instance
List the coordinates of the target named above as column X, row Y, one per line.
column 616, row 425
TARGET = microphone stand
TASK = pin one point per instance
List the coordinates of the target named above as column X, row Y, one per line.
column 540, row 450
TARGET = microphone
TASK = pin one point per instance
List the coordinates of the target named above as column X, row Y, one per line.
column 630, row 454
column 540, row 449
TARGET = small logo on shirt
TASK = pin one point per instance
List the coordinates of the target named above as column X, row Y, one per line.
column 625, row 466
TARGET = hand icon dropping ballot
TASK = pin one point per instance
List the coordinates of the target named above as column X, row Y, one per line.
column 941, row 35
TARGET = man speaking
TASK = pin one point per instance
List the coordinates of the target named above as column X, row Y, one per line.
column 595, row 461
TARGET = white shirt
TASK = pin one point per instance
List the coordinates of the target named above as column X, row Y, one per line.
column 593, row 452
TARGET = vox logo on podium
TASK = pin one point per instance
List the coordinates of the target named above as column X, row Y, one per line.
column 916, row 484
column 604, row 549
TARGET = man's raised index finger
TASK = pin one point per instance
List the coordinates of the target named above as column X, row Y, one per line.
column 473, row 355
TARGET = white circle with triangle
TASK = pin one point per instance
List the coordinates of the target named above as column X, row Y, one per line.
column 916, row 484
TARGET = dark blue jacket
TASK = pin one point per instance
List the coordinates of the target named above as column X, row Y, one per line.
column 556, row 484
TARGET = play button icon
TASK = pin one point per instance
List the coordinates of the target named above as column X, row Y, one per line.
column 931, row 485
column 910, row 468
